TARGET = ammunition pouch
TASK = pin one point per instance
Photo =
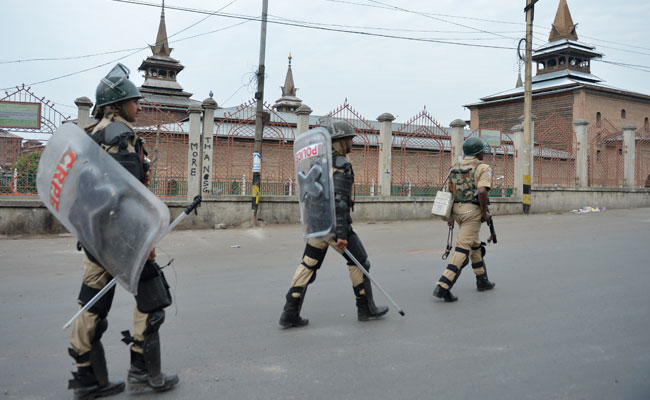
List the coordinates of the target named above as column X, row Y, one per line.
column 153, row 290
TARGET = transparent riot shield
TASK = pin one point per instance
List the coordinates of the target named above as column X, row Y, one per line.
column 313, row 164
column 112, row 214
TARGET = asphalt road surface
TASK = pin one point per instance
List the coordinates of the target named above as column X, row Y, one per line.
column 569, row 317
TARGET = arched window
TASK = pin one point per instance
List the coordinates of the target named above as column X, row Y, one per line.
column 562, row 61
column 540, row 66
column 623, row 114
column 646, row 125
column 598, row 118
column 552, row 63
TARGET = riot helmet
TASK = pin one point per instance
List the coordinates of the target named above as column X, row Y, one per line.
column 473, row 145
column 340, row 129
column 116, row 87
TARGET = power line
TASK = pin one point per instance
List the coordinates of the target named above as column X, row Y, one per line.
column 305, row 25
column 438, row 19
column 126, row 56
column 67, row 58
column 388, row 7
column 643, row 68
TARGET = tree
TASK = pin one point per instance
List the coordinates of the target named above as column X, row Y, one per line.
column 26, row 168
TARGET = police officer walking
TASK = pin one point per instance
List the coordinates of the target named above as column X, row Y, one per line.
column 116, row 108
column 469, row 181
column 344, row 237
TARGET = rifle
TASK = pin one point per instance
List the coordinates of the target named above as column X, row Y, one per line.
column 493, row 233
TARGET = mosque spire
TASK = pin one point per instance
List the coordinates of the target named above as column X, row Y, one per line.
column 289, row 88
column 161, row 48
column 563, row 26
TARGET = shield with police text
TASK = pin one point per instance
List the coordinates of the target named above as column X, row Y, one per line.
column 313, row 161
column 112, row 214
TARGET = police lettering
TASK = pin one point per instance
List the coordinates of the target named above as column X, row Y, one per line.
column 56, row 186
column 306, row 152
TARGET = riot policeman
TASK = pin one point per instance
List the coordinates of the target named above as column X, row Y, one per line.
column 343, row 237
column 116, row 108
column 470, row 182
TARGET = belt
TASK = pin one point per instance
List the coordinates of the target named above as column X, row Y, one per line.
column 467, row 212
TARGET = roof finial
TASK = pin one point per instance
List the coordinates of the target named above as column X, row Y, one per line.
column 162, row 14
column 563, row 26
column 290, row 58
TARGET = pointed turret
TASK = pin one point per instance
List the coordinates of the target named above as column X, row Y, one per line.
column 161, row 47
column 563, row 26
column 160, row 72
column 564, row 55
column 288, row 102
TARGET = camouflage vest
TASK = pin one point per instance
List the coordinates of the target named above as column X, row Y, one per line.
column 463, row 182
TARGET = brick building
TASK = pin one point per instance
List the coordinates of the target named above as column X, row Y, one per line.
column 11, row 149
column 564, row 84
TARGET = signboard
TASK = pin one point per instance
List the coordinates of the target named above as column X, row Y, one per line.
column 20, row 115
column 491, row 138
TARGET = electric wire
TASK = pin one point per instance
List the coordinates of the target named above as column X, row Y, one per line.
column 126, row 56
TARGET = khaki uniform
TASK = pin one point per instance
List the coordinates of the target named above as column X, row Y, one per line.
column 468, row 217
column 94, row 279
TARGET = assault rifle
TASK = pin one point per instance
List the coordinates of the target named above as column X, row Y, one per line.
column 493, row 233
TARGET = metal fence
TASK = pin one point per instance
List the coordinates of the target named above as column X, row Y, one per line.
column 555, row 152
column 23, row 183
column 642, row 162
column 365, row 152
column 166, row 142
column 605, row 159
column 421, row 156
column 501, row 159
column 233, row 150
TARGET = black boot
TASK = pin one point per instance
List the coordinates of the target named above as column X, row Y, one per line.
column 483, row 283
column 366, row 308
column 444, row 294
column 291, row 314
column 145, row 368
column 91, row 382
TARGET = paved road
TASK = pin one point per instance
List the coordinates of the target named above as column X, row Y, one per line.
column 568, row 319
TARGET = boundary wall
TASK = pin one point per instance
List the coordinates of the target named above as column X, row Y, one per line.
column 28, row 216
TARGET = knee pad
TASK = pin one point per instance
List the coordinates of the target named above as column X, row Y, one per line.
column 102, row 306
column 316, row 254
column 101, row 327
column 356, row 248
column 154, row 321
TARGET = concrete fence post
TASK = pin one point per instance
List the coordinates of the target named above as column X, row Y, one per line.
column 303, row 113
column 384, row 168
column 582, row 167
column 629, row 152
column 83, row 111
column 532, row 146
column 209, row 105
column 457, row 139
column 518, row 141
column 194, row 152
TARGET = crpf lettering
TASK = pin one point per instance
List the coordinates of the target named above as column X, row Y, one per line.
column 61, row 172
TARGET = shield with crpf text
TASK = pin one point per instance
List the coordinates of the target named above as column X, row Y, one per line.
column 112, row 214
column 313, row 161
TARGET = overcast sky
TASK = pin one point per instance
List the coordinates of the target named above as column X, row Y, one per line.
column 375, row 74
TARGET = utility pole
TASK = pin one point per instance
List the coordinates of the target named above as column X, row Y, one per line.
column 528, row 103
column 259, row 120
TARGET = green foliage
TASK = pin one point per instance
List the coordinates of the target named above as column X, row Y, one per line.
column 27, row 166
